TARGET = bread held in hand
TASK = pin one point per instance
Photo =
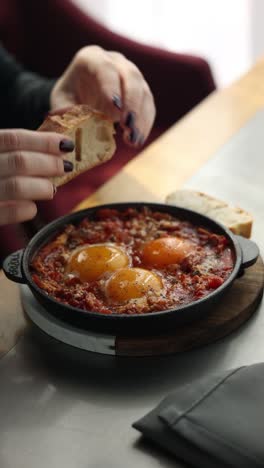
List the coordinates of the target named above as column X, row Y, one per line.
column 92, row 133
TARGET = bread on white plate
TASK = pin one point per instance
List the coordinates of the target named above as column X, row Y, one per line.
column 93, row 135
column 236, row 219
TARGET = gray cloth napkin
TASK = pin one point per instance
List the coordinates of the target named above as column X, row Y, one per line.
column 215, row 423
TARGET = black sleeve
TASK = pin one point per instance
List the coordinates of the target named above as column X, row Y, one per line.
column 24, row 96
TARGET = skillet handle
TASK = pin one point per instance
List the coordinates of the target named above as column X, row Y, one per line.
column 250, row 252
column 12, row 267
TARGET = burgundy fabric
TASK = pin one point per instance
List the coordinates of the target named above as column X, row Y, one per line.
column 12, row 29
column 11, row 239
column 44, row 35
column 178, row 81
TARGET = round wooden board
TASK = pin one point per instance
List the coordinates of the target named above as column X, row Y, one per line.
column 240, row 302
column 12, row 319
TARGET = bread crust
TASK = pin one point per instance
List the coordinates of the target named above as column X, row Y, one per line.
column 74, row 121
column 236, row 219
column 73, row 117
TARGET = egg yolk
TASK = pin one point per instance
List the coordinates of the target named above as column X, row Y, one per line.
column 92, row 261
column 165, row 251
column 131, row 283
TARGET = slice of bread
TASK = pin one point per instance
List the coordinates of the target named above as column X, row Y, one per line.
column 92, row 134
column 237, row 220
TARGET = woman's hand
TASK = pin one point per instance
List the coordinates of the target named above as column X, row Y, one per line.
column 110, row 83
column 27, row 161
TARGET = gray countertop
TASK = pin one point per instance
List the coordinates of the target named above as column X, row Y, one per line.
column 75, row 410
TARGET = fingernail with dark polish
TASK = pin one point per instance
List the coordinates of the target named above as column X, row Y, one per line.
column 54, row 189
column 130, row 120
column 117, row 101
column 66, row 145
column 68, row 166
column 133, row 135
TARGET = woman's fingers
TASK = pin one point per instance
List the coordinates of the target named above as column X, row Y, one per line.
column 132, row 95
column 27, row 160
column 26, row 188
column 27, row 163
column 108, row 82
column 42, row 142
column 146, row 115
column 110, row 100
column 138, row 109
column 138, row 112
column 17, row 211
column 98, row 81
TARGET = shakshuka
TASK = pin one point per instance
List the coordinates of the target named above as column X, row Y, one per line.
column 132, row 262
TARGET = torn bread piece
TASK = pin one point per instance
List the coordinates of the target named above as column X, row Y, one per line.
column 92, row 134
column 237, row 220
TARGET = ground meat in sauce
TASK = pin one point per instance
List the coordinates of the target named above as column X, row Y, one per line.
column 200, row 273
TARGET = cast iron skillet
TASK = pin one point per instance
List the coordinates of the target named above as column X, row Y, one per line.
column 16, row 268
